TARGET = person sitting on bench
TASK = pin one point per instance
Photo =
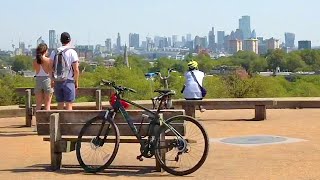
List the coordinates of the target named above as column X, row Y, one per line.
column 194, row 78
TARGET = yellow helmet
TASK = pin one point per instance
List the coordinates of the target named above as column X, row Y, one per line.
column 193, row 64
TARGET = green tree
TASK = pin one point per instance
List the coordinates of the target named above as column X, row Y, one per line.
column 22, row 63
column 294, row 62
column 99, row 60
column 276, row 58
column 311, row 58
column 85, row 67
column 258, row 65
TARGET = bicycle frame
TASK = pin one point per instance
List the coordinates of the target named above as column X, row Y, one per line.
column 157, row 119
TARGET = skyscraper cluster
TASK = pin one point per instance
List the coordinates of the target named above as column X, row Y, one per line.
column 216, row 42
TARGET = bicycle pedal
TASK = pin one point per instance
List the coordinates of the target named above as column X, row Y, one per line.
column 140, row 158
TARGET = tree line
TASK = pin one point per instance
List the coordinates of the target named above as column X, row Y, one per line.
column 231, row 86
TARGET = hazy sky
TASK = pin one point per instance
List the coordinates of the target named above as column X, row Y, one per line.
column 92, row 21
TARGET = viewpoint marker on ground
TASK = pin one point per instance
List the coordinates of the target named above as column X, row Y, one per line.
column 256, row 140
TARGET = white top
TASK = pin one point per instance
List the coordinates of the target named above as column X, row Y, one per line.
column 192, row 89
column 70, row 56
column 42, row 73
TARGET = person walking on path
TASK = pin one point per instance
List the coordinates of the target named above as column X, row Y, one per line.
column 65, row 72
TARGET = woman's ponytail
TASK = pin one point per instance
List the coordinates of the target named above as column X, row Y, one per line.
column 41, row 50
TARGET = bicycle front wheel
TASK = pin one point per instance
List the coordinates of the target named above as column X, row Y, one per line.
column 181, row 155
column 97, row 144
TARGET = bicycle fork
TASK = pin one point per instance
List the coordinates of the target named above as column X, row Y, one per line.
column 108, row 116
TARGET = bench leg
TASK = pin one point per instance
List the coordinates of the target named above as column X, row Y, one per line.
column 55, row 137
column 28, row 118
column 190, row 110
column 98, row 99
column 163, row 153
column 28, row 108
column 260, row 112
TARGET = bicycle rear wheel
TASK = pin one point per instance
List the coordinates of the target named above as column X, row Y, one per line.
column 94, row 151
column 182, row 155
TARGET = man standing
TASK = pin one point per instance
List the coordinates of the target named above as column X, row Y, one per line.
column 65, row 72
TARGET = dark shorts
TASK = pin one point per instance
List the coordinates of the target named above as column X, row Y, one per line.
column 65, row 91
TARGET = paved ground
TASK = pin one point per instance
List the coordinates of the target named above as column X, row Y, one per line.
column 23, row 155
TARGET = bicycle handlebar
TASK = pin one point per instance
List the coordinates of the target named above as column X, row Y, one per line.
column 165, row 77
column 118, row 88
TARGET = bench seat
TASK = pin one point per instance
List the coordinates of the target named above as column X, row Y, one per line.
column 259, row 104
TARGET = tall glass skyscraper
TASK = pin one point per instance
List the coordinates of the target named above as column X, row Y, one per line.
column 108, row 45
column 220, row 40
column 212, row 39
column 52, row 39
column 289, row 39
column 134, row 40
column 118, row 42
column 244, row 26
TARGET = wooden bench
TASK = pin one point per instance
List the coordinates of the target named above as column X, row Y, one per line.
column 63, row 127
column 210, row 104
column 92, row 92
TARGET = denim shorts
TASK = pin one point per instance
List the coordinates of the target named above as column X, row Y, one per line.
column 43, row 85
column 65, row 91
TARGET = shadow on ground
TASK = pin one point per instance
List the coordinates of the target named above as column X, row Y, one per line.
column 14, row 126
column 17, row 134
column 113, row 170
column 213, row 119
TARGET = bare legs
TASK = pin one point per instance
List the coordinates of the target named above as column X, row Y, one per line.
column 68, row 106
column 39, row 100
column 43, row 98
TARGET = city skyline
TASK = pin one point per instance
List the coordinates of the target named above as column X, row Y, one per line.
column 92, row 23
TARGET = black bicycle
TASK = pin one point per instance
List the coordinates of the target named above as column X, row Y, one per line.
column 167, row 103
column 184, row 152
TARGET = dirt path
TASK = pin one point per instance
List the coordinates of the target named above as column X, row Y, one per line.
column 23, row 154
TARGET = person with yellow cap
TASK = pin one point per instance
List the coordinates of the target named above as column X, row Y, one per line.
column 193, row 83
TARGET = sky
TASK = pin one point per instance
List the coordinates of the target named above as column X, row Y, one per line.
column 91, row 22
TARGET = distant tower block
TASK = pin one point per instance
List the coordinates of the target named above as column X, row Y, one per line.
column 126, row 60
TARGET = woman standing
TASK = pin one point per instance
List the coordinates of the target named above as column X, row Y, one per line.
column 43, row 88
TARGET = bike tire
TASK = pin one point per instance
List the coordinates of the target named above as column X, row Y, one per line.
column 81, row 141
column 158, row 149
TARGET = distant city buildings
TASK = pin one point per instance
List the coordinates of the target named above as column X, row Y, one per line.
column 134, row 40
column 235, row 46
column 52, row 39
column 273, row 43
column 108, row 45
column 39, row 40
column 304, row 45
column 245, row 27
column 174, row 40
column 251, row 45
column 212, row 40
column 216, row 44
column 118, row 42
column 253, row 34
column 189, row 38
column 289, row 39
column 85, row 52
column 220, row 41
